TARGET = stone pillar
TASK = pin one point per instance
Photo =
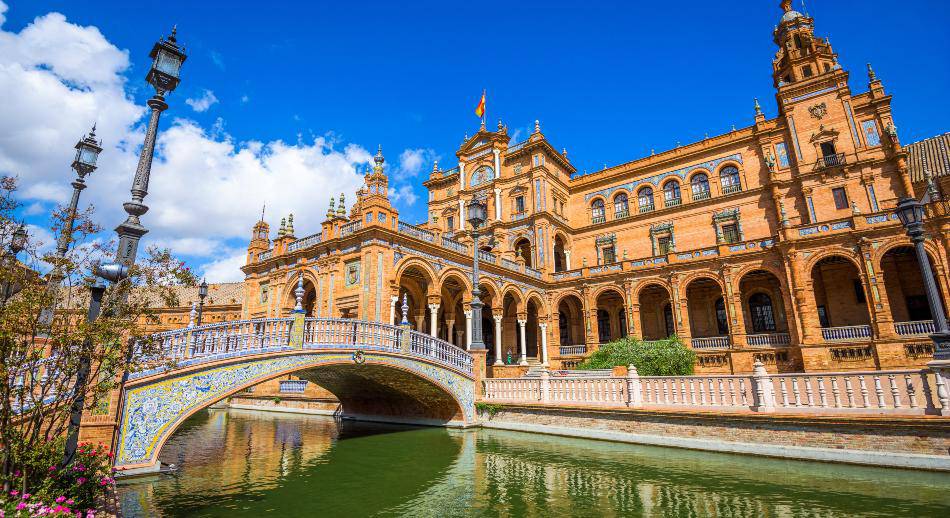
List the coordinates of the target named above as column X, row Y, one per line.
column 468, row 329
column 498, row 204
column 524, row 346
column 567, row 259
column 434, row 320
column 544, row 343
column 497, row 153
column 420, row 320
column 461, row 225
column 635, row 330
column 449, row 331
column 498, row 360
column 392, row 309
column 879, row 308
column 807, row 314
column 733, row 300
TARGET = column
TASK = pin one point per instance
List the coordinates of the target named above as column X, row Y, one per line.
column 461, row 212
column 392, row 309
column 468, row 329
column 524, row 346
column 497, row 153
column 449, row 328
column 567, row 259
column 498, row 204
column 498, row 360
column 807, row 313
column 420, row 320
column 544, row 343
column 434, row 320
column 635, row 325
column 461, row 177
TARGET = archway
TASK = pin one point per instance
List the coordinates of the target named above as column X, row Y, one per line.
column 708, row 319
column 452, row 319
column 523, row 250
column 763, row 309
column 656, row 313
column 840, row 298
column 906, row 293
column 611, row 319
column 510, row 327
column 416, row 283
column 560, row 258
column 532, row 341
column 570, row 324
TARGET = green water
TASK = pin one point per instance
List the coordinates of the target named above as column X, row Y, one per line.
column 247, row 463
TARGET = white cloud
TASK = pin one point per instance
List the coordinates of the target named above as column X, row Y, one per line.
column 245, row 98
column 201, row 104
column 412, row 161
column 3, row 9
column 225, row 269
column 403, row 194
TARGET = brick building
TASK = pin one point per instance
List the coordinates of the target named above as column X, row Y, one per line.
column 775, row 241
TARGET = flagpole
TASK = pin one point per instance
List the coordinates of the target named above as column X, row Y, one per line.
column 485, row 111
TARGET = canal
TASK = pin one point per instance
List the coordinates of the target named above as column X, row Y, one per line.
column 248, row 463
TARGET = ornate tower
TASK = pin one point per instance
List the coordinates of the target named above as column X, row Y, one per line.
column 260, row 241
column 802, row 56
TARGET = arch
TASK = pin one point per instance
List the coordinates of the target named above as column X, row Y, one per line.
column 672, row 193
column 757, row 282
column 534, row 296
column 647, row 284
column 656, row 310
column 703, row 293
column 645, row 198
column 611, row 305
column 515, row 293
column 621, row 204
column 598, row 211
column 560, row 255
column 600, row 290
column 453, row 273
column 154, row 406
column 493, row 291
column 565, row 294
column 481, row 175
column 905, row 286
column 699, row 185
column 698, row 276
column 842, row 253
column 839, row 290
column 729, row 177
column 570, row 319
column 933, row 253
column 410, row 262
column 524, row 248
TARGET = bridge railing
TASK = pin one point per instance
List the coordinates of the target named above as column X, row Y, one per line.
column 195, row 345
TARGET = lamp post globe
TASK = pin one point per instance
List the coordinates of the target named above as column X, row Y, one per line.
column 911, row 214
column 202, row 293
column 87, row 154
column 167, row 58
column 476, row 213
column 18, row 242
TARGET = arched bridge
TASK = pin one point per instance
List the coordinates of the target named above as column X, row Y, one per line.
column 377, row 371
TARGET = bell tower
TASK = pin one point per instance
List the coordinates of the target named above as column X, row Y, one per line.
column 802, row 58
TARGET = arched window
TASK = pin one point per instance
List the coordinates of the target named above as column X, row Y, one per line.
column 597, row 211
column 700, row 186
column 722, row 319
column 671, row 194
column 763, row 318
column 645, row 199
column 729, row 178
column 621, row 206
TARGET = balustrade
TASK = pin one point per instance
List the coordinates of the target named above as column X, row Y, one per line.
column 416, row 232
column 306, row 242
column 710, row 342
column 573, row 350
column 846, row 333
column 768, row 340
column 351, row 227
column 915, row 328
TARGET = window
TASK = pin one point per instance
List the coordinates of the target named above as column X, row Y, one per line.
column 763, row 318
column 798, row 41
column 563, row 328
column 729, row 178
column 671, row 193
column 621, row 207
column 827, row 67
column 663, row 245
column 841, row 198
column 519, row 204
column 450, row 223
column 645, row 199
column 265, row 291
column 597, row 211
column 806, row 71
column 603, row 326
column 823, row 316
column 622, row 319
column 538, row 160
column 730, row 233
column 859, row 292
column 700, row 186
column 722, row 318
column 609, row 254
column 827, row 148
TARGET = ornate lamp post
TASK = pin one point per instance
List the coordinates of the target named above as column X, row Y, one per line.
column 477, row 214
column 87, row 153
column 17, row 244
column 167, row 58
column 202, row 293
column 911, row 214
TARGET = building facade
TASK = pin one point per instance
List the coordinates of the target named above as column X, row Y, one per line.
column 774, row 242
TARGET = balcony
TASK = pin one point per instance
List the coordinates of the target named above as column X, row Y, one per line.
column 828, row 161
column 597, row 219
column 768, row 340
column 701, row 195
column 917, row 328
column 710, row 342
column 732, row 189
column 646, row 208
column 835, row 334
column 673, row 202
column 621, row 214
column 573, row 350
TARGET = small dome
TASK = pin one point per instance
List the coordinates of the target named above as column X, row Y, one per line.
column 791, row 15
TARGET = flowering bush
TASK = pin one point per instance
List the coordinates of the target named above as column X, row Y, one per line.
column 669, row 357
column 45, row 488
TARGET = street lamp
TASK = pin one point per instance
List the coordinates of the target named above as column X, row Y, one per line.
column 87, row 154
column 911, row 213
column 477, row 214
column 202, row 293
column 17, row 244
column 167, row 58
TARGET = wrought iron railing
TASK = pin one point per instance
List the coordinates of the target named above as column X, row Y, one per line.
column 212, row 342
column 834, row 160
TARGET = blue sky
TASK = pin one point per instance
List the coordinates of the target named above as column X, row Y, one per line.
column 608, row 80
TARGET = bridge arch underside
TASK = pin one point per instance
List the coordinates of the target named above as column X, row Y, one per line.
column 384, row 387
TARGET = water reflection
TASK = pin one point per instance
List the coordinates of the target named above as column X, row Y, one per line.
column 242, row 463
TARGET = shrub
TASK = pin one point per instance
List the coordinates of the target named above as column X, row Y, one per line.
column 668, row 357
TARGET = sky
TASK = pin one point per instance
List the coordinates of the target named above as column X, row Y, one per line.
column 284, row 103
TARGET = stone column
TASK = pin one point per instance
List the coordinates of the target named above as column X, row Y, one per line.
column 468, row 329
column 449, row 328
column 434, row 320
column 498, row 204
column 392, row 309
column 567, row 259
column 498, row 360
column 807, row 313
column 420, row 320
column 635, row 330
column 524, row 346
column 461, row 177
column 544, row 343
column 461, row 225
column 497, row 153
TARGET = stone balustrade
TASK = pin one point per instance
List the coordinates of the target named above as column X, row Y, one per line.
column 213, row 342
column 832, row 334
column 904, row 392
column 573, row 350
column 916, row 328
column 305, row 242
column 768, row 340
column 710, row 342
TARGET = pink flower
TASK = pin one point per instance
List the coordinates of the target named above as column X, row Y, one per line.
column 70, row 502
column 21, row 506
column 14, row 493
column 26, row 496
column 81, row 480
column 60, row 499
column 52, row 469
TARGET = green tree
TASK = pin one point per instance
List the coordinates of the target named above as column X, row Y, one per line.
column 669, row 357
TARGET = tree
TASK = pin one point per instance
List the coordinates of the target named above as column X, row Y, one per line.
column 668, row 357
column 41, row 356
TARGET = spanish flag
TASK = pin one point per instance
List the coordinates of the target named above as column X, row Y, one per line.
column 480, row 109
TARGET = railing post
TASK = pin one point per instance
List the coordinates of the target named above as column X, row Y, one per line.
column 545, row 386
column 764, row 391
column 634, row 391
column 942, row 377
